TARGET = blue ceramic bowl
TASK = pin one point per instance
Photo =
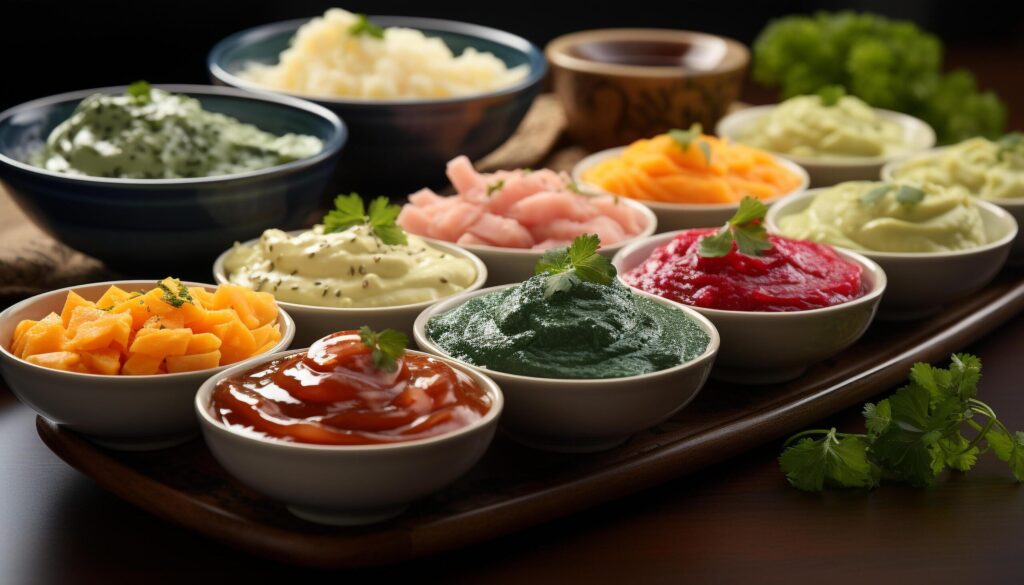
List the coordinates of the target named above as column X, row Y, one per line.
column 135, row 224
column 398, row 146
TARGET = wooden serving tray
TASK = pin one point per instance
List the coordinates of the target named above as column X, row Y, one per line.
column 514, row 487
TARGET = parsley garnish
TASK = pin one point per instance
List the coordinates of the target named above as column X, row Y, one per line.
column 363, row 26
column 496, row 186
column 686, row 137
column 175, row 298
column 140, row 91
column 877, row 193
column 580, row 262
column 1012, row 143
column 912, row 436
column 830, row 94
column 905, row 194
column 349, row 211
column 387, row 346
column 745, row 228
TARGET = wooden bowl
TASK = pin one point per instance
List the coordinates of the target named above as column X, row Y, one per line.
column 620, row 85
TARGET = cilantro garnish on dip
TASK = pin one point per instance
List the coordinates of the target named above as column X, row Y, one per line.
column 912, row 436
column 358, row 257
column 571, row 320
column 740, row 267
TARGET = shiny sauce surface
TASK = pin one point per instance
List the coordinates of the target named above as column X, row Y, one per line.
column 334, row 395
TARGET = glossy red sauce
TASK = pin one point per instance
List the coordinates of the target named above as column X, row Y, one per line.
column 334, row 395
column 794, row 275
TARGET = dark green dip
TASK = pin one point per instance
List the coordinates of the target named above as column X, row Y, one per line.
column 158, row 135
column 592, row 331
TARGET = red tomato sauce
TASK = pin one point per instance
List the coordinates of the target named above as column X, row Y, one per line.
column 794, row 275
column 334, row 395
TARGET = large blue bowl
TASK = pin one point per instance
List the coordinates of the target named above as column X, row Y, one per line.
column 142, row 225
column 398, row 146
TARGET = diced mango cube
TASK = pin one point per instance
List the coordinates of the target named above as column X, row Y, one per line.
column 68, row 361
column 46, row 336
column 193, row 362
column 102, row 361
column 80, row 315
column 101, row 333
column 161, row 342
column 203, row 343
column 73, row 301
column 140, row 364
column 112, row 297
column 237, row 340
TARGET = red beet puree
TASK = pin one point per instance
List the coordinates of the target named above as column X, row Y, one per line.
column 793, row 275
column 334, row 395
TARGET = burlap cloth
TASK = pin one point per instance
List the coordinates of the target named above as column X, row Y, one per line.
column 32, row 262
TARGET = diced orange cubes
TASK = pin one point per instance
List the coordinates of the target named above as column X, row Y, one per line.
column 168, row 329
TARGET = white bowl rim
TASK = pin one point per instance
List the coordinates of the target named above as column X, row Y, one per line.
column 891, row 166
column 220, row 276
column 203, row 398
column 578, row 384
column 650, row 228
column 881, row 281
column 755, row 112
column 776, row 211
column 284, row 319
column 330, row 147
column 596, row 157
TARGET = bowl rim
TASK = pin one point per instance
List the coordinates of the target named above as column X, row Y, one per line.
column 538, row 66
column 284, row 319
column 890, row 167
column 203, row 396
column 331, row 147
column 419, row 331
column 879, row 284
column 597, row 157
column 777, row 211
column 220, row 276
column 557, row 53
column 754, row 112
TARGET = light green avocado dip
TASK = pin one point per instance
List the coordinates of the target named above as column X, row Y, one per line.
column 806, row 126
column 864, row 215
column 983, row 167
column 590, row 331
column 153, row 134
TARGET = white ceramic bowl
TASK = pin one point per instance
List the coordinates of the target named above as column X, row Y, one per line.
column 826, row 171
column 680, row 216
column 312, row 322
column 346, row 485
column 760, row 347
column 513, row 265
column 131, row 413
column 921, row 283
column 1014, row 207
column 584, row 415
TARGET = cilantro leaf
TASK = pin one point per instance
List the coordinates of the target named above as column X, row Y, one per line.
column 349, row 211
column 876, row 194
column 1008, row 448
column 965, row 373
column 877, row 417
column 744, row 228
column 813, row 464
column 363, row 26
column 1012, row 143
column 958, row 453
column 140, row 91
column 495, row 187
column 908, row 195
column 177, row 296
column 580, row 262
column 684, row 138
column 387, row 346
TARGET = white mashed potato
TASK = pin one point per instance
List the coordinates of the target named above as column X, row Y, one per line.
column 329, row 57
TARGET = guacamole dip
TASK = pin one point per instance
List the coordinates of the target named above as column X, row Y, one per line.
column 806, row 126
column 151, row 134
column 590, row 331
column 985, row 168
column 886, row 217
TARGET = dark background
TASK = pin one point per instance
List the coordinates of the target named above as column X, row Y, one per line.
column 51, row 47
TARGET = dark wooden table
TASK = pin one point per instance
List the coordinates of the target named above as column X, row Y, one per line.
column 736, row 522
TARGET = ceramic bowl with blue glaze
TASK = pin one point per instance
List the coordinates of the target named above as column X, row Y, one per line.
column 398, row 146
column 132, row 224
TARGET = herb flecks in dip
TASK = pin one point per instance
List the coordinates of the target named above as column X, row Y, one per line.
column 988, row 169
column 881, row 217
column 589, row 331
column 812, row 126
column 152, row 134
column 348, row 268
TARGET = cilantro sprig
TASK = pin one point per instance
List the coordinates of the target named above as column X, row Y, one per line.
column 912, row 436
column 387, row 345
column 140, row 91
column 745, row 228
column 363, row 26
column 349, row 211
column 905, row 194
column 686, row 137
column 577, row 263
